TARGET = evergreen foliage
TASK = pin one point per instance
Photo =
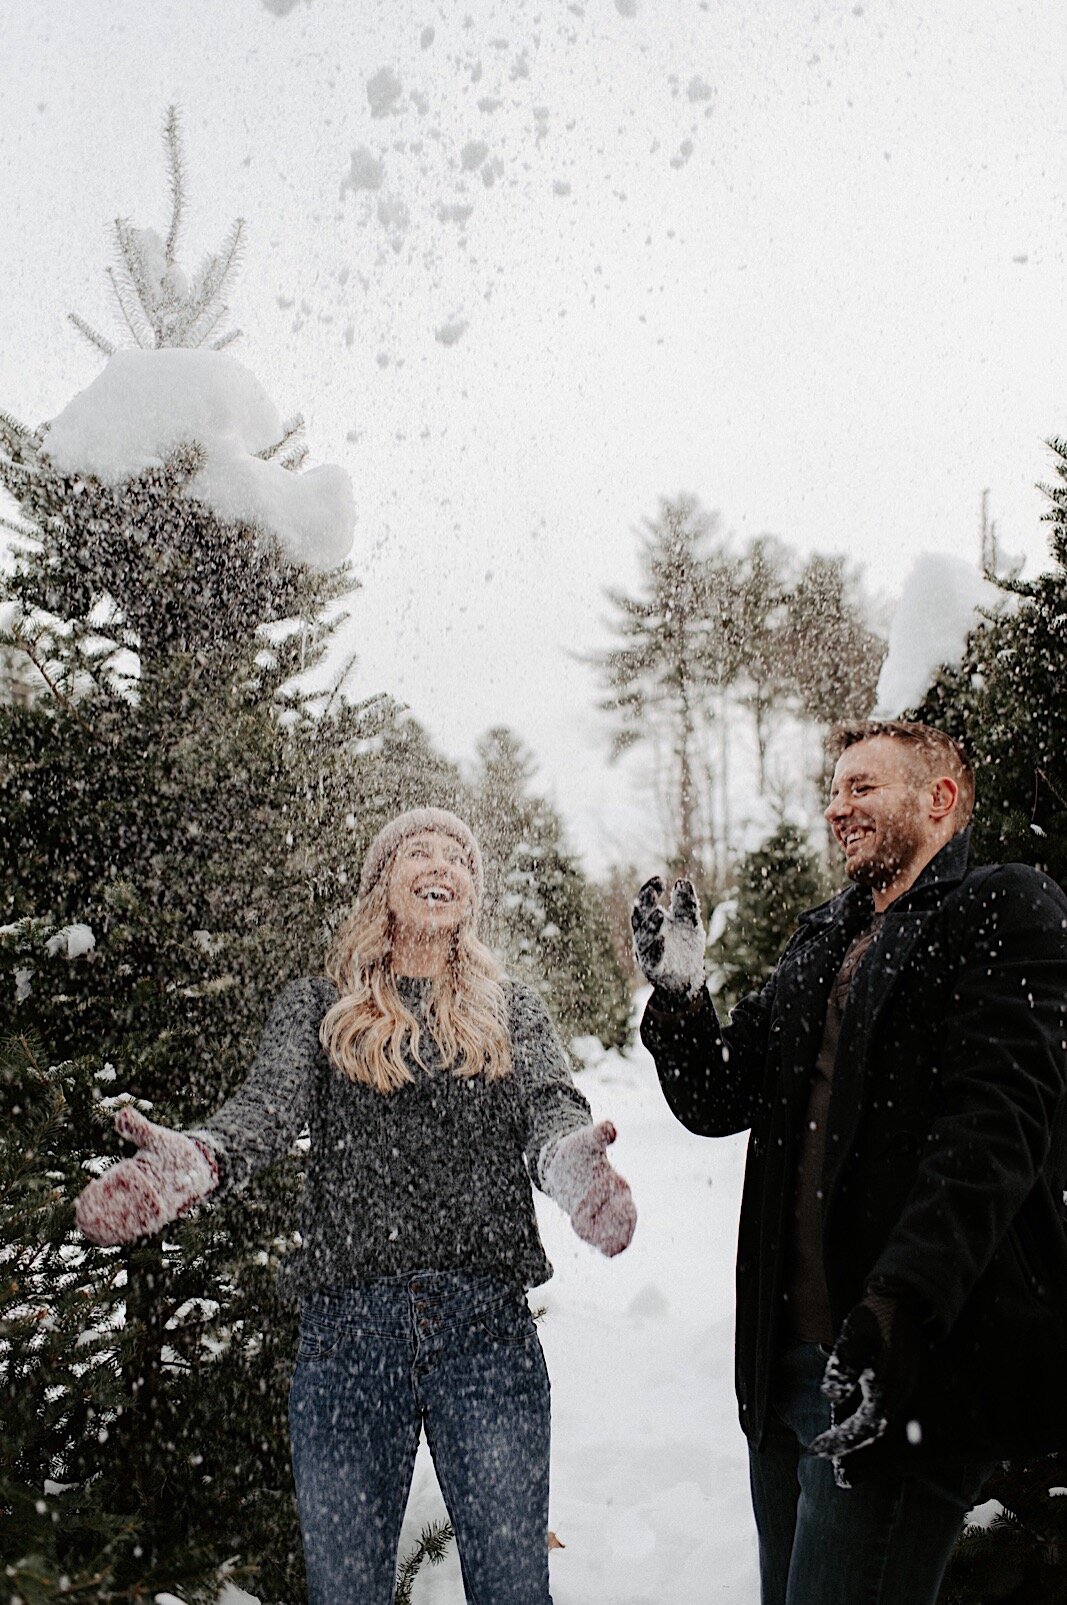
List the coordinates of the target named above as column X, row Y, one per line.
column 1021, row 1559
column 713, row 630
column 761, row 593
column 834, row 655
column 675, row 645
column 432, row 1546
column 776, row 882
column 617, row 891
column 19, row 680
column 159, row 304
column 542, row 914
column 184, row 821
column 159, row 799
column 1006, row 702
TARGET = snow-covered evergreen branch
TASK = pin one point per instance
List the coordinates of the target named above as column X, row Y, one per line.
column 176, row 179
column 158, row 304
column 292, row 429
column 432, row 1546
column 91, row 335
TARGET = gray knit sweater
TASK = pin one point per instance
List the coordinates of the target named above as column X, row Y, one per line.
column 433, row 1176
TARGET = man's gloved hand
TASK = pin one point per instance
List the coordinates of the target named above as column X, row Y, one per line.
column 877, row 1354
column 577, row 1175
column 669, row 942
column 170, row 1173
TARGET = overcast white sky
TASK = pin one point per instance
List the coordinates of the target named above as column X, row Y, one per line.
column 806, row 261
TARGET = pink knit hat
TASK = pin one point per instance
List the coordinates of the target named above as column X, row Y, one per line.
column 397, row 830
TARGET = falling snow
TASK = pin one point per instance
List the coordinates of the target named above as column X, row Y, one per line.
column 943, row 600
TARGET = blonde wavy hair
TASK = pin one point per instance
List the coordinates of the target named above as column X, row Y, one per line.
column 368, row 1030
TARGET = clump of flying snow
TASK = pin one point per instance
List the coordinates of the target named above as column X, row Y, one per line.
column 473, row 154
column 473, row 135
column 395, row 218
column 147, row 404
column 365, row 172
column 383, row 91
column 447, row 334
column 943, row 600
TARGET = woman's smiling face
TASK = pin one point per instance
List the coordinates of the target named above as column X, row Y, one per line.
column 431, row 889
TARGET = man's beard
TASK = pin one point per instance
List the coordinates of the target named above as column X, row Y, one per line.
column 901, row 841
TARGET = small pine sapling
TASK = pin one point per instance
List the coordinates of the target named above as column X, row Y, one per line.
column 432, row 1546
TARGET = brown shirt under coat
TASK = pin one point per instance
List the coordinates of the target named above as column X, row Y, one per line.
column 808, row 1316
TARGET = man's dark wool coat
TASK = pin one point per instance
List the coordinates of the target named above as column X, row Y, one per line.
column 946, row 1152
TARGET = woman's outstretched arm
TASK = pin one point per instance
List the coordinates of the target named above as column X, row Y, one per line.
column 565, row 1152
column 174, row 1170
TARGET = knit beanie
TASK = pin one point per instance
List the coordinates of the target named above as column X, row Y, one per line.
column 397, row 830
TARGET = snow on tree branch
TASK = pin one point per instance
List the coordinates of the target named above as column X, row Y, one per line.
column 147, row 405
column 944, row 599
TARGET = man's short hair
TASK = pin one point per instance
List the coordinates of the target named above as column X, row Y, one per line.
column 935, row 753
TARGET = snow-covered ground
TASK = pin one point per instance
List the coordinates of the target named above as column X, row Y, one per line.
column 649, row 1479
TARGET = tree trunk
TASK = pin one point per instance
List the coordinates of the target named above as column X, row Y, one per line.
column 759, row 710
column 688, row 847
column 725, row 855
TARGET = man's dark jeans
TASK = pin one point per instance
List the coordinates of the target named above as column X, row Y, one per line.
column 884, row 1541
column 453, row 1352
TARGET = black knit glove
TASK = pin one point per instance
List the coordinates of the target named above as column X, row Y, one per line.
column 669, row 942
column 876, row 1356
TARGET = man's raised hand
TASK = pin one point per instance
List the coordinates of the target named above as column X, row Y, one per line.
column 669, row 942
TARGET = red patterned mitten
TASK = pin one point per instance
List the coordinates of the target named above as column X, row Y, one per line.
column 168, row 1175
column 594, row 1195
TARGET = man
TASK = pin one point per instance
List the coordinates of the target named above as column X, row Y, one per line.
column 902, row 1259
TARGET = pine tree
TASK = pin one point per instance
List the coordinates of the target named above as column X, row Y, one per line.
column 159, row 886
column 542, row 914
column 1007, row 704
column 617, row 891
column 713, row 630
column 364, row 764
column 762, row 590
column 1021, row 1558
column 834, row 655
column 674, row 648
column 776, row 882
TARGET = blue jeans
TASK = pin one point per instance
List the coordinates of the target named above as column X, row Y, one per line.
column 456, row 1353
column 884, row 1541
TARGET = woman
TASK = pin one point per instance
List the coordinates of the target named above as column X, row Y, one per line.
column 434, row 1089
